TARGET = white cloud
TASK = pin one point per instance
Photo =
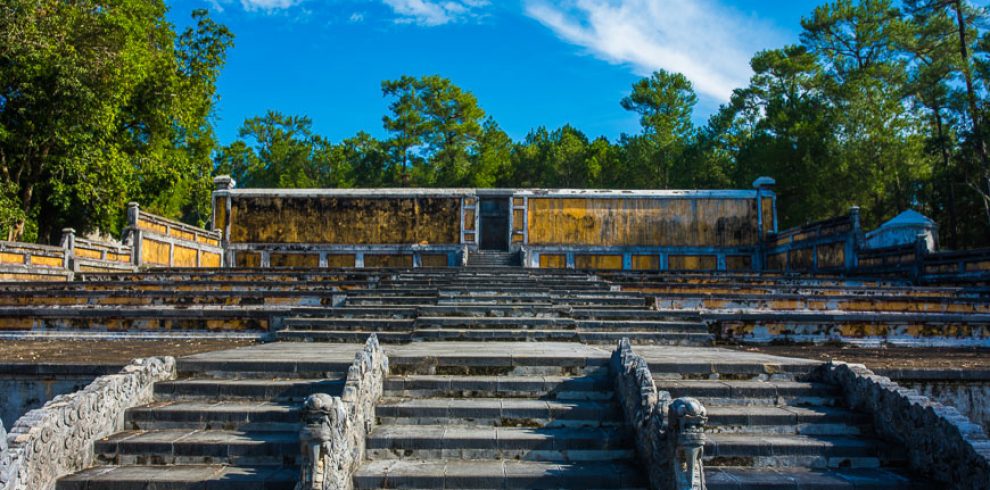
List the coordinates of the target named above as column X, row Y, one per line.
column 709, row 43
column 435, row 12
column 356, row 17
column 268, row 5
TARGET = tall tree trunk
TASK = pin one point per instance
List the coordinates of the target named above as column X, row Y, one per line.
column 16, row 232
column 953, row 238
column 974, row 114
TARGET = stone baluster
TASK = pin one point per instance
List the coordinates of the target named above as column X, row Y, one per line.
column 686, row 439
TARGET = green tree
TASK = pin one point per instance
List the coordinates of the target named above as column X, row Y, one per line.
column 664, row 102
column 100, row 104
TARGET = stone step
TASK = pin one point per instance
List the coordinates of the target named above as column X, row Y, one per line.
column 503, row 412
column 659, row 338
column 223, row 415
column 184, row 477
column 750, row 478
column 546, row 387
column 246, row 389
column 499, row 474
column 783, row 419
column 641, row 325
column 632, row 314
column 799, row 451
column 348, row 324
column 343, row 336
column 179, row 447
column 514, row 310
column 356, row 312
column 380, row 300
column 263, row 368
column 491, row 335
column 511, row 443
column 517, row 323
column 717, row 392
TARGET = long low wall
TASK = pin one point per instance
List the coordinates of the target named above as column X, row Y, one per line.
column 586, row 229
column 26, row 387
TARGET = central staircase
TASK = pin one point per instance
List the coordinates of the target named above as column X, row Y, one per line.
column 547, row 425
column 494, row 305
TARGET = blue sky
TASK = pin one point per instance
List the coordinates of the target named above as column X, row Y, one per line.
column 530, row 62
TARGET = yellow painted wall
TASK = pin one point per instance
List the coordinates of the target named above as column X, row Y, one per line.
column 642, row 222
column 11, row 258
column 248, row 259
column 208, row 259
column 350, row 221
column 739, row 263
column 433, row 260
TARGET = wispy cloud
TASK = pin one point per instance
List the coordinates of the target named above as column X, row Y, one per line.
column 436, row 12
column 268, row 5
column 708, row 42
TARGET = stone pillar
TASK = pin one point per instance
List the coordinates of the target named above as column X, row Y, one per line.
column 69, row 246
column 223, row 185
column 134, row 232
column 764, row 188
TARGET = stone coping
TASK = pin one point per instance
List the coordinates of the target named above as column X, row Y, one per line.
column 936, row 374
column 59, row 369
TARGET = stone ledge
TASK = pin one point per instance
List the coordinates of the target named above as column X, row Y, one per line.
column 50, row 442
column 941, row 443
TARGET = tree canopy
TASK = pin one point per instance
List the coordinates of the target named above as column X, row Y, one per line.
column 880, row 104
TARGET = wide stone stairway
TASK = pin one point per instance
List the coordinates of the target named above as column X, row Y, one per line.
column 229, row 422
column 495, row 304
column 774, row 426
column 499, row 421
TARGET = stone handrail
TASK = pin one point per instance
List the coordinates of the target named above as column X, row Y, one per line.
column 669, row 433
column 941, row 443
column 333, row 438
column 57, row 439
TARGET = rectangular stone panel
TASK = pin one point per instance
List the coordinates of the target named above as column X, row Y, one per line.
column 692, row 262
column 11, row 258
column 832, row 256
column 209, row 259
column 183, row 257
column 248, row 259
column 340, row 260
column 646, row 262
column 154, row 252
column 550, row 261
column 433, row 260
column 603, row 262
column 739, row 263
column 294, row 260
column 381, row 261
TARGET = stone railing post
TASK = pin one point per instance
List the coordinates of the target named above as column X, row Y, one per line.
column 333, row 436
column 69, row 246
column 686, row 443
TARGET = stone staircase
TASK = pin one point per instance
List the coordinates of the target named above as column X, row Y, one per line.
column 780, row 431
column 494, row 305
column 494, row 258
column 543, row 423
column 221, row 425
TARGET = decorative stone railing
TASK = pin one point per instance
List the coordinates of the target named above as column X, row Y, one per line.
column 942, row 444
column 57, row 439
column 333, row 438
column 84, row 255
column 32, row 262
column 162, row 242
column 670, row 437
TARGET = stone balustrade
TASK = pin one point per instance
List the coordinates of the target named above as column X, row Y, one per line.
column 669, row 433
column 941, row 443
column 57, row 439
column 333, row 438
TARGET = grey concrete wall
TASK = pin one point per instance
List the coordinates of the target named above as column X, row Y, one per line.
column 25, row 387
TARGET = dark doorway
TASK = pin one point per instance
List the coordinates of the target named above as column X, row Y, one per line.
column 495, row 224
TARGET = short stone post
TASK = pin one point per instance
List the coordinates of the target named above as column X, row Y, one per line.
column 686, row 440
column 855, row 241
column 134, row 232
column 69, row 246
column 920, row 250
column 764, row 187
